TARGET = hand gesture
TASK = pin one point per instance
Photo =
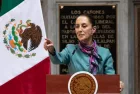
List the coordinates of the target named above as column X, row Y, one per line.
column 48, row 45
column 121, row 86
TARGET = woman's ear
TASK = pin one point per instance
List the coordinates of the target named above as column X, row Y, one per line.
column 94, row 29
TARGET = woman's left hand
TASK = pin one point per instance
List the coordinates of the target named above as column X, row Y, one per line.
column 121, row 86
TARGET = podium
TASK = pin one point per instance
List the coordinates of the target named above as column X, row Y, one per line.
column 58, row 84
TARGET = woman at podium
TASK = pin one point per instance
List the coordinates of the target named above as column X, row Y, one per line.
column 86, row 55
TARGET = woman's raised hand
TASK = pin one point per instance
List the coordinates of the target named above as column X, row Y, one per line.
column 48, row 45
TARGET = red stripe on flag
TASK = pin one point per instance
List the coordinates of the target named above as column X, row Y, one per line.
column 32, row 81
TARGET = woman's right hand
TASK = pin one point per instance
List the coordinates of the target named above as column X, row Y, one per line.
column 48, row 45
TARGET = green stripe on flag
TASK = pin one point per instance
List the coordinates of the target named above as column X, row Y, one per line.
column 0, row 4
column 7, row 5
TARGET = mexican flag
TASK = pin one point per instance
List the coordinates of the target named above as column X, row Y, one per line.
column 23, row 61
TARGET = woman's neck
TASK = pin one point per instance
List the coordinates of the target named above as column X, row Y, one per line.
column 88, row 42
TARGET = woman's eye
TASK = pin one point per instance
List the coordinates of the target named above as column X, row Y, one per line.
column 76, row 26
column 84, row 26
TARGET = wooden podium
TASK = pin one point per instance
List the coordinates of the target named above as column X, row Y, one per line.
column 107, row 84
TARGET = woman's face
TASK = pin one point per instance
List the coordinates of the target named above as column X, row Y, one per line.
column 84, row 29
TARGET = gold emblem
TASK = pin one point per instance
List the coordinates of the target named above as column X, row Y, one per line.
column 82, row 83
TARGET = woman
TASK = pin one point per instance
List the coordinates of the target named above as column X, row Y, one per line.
column 86, row 55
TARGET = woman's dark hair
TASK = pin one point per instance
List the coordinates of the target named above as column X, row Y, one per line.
column 90, row 17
